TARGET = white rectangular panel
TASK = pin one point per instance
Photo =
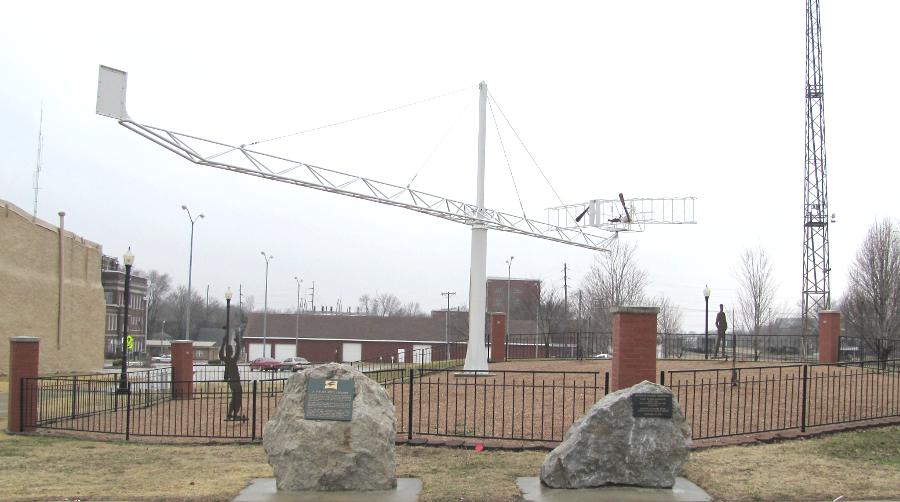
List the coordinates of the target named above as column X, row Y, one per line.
column 255, row 351
column 284, row 351
column 351, row 352
column 422, row 353
column 111, row 93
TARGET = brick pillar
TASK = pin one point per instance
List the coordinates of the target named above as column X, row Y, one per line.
column 23, row 364
column 183, row 368
column 634, row 346
column 498, row 337
column 829, row 336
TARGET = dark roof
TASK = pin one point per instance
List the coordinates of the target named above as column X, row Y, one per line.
column 344, row 327
column 211, row 335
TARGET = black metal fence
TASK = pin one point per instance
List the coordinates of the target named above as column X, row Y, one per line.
column 511, row 405
column 561, row 345
column 728, row 402
column 756, row 348
column 868, row 348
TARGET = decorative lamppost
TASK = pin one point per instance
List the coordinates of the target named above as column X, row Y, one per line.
column 706, row 293
column 508, row 316
column 228, row 314
column 297, row 331
column 187, row 322
column 128, row 259
column 266, row 300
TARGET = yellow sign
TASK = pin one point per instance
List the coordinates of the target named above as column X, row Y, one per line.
column 129, row 342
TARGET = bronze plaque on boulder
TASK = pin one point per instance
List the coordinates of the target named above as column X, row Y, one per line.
column 328, row 399
column 651, row 405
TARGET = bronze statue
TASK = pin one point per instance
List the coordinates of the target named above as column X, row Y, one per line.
column 230, row 358
column 722, row 325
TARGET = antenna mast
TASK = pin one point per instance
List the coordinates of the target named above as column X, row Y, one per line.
column 816, row 267
column 40, row 155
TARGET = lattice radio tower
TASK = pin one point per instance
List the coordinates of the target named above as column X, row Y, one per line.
column 816, row 267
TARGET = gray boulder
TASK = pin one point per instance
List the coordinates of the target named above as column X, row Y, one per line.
column 609, row 446
column 327, row 455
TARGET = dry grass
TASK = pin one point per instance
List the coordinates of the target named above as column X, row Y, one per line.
column 861, row 464
column 466, row 475
column 858, row 465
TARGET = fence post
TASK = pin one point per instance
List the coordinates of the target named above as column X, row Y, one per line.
column 253, row 409
column 803, row 404
column 606, row 383
column 662, row 378
column 74, row 395
column 128, row 412
column 410, row 413
column 24, row 352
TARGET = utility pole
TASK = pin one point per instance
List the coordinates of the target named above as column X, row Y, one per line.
column 448, row 294
column 312, row 297
column 566, row 292
column 40, row 158
column 297, row 332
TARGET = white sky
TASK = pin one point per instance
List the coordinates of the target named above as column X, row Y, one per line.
column 657, row 98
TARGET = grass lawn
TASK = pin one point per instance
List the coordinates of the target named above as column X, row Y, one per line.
column 862, row 464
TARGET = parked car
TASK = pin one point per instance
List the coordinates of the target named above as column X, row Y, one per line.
column 164, row 359
column 295, row 363
column 265, row 364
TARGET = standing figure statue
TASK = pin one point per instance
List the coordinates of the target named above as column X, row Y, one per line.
column 722, row 326
column 230, row 357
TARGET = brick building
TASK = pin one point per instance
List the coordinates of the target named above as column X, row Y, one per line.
column 112, row 275
column 524, row 301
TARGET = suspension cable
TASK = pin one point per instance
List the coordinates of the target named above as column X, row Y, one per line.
column 368, row 115
column 505, row 156
column 441, row 141
column 530, row 155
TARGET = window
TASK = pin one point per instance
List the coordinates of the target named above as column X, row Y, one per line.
column 109, row 297
column 111, row 324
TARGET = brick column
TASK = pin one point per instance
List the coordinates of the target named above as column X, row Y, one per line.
column 498, row 337
column 829, row 336
column 183, row 368
column 21, row 412
column 634, row 346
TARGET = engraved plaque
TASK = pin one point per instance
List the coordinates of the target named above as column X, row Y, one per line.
column 329, row 399
column 651, row 405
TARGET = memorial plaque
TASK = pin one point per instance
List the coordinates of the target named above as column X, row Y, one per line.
column 651, row 405
column 329, row 399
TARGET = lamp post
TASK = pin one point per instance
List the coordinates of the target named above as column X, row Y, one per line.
column 187, row 322
column 228, row 315
column 128, row 259
column 706, row 293
column 266, row 300
column 297, row 332
column 508, row 283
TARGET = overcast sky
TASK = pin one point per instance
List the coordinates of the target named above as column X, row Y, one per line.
column 653, row 99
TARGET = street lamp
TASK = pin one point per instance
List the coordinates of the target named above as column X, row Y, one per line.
column 706, row 293
column 266, row 300
column 297, row 332
column 187, row 322
column 228, row 315
column 128, row 259
column 508, row 282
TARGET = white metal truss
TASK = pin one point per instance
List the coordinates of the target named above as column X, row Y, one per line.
column 608, row 214
column 111, row 91
column 243, row 160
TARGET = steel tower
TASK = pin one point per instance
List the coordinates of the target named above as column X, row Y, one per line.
column 816, row 267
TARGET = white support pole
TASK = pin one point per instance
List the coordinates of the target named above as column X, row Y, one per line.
column 476, row 353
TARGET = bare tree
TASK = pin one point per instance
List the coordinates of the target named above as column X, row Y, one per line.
column 668, row 321
column 872, row 304
column 160, row 285
column 756, row 293
column 615, row 279
column 365, row 303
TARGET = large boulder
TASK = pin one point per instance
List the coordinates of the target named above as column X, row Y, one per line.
column 329, row 455
column 610, row 446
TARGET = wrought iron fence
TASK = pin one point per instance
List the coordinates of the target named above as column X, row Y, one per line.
column 558, row 345
column 857, row 348
column 756, row 348
column 727, row 402
column 432, row 401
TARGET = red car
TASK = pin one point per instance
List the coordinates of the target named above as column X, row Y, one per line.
column 265, row 364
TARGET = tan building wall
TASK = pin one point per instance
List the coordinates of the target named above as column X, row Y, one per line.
column 30, row 293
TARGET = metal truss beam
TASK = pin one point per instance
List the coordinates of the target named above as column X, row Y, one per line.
column 243, row 160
